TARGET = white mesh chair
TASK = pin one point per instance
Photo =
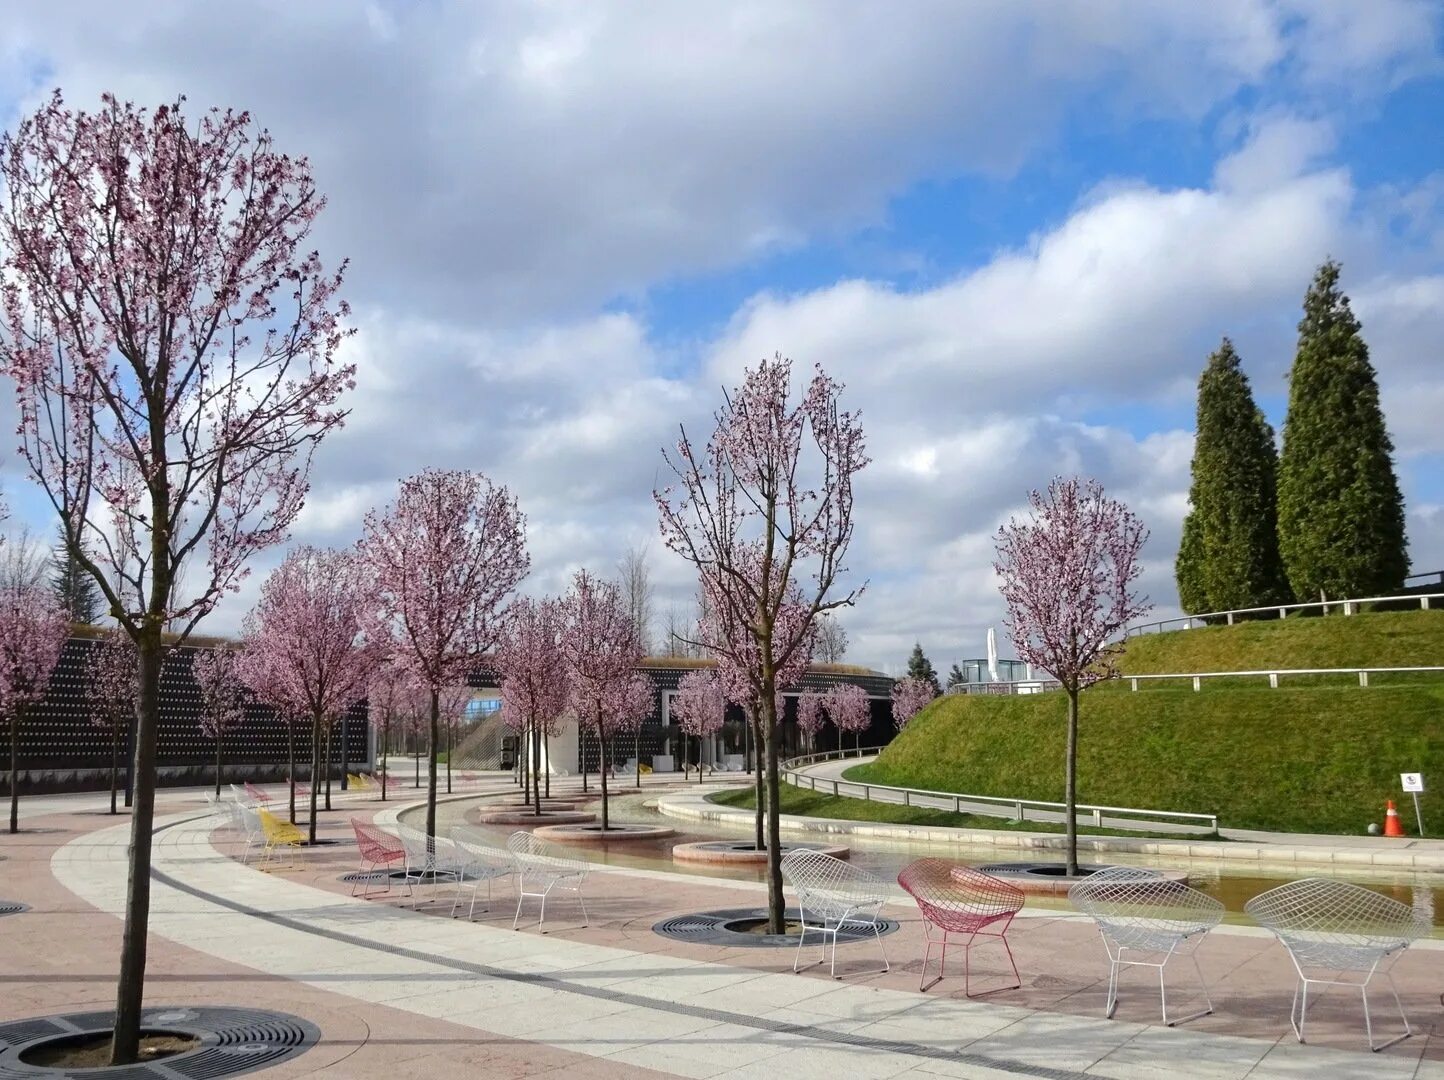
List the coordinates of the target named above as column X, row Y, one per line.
column 479, row 861
column 830, row 894
column 247, row 820
column 1347, row 932
column 1146, row 920
column 429, row 859
column 542, row 868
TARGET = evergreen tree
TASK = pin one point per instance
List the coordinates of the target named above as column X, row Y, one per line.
column 956, row 677
column 920, row 667
column 73, row 585
column 1341, row 515
column 1229, row 554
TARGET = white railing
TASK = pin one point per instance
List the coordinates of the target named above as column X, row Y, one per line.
column 1362, row 673
column 1348, row 607
column 1087, row 813
column 1005, row 686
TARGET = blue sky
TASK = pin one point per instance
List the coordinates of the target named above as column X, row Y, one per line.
column 1015, row 231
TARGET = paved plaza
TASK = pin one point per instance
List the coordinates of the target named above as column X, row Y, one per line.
column 399, row 989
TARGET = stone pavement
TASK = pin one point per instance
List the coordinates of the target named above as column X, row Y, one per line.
column 400, row 992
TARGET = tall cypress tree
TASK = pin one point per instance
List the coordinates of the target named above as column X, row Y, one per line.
column 920, row 667
column 73, row 586
column 1341, row 515
column 1229, row 554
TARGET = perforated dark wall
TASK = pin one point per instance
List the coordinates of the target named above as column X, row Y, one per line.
column 61, row 748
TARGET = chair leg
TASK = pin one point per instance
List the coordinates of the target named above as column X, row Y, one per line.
column 456, row 892
column 1018, row 979
column 520, row 898
column 1301, row 1001
column 1368, row 1025
column 586, row 919
column 1112, row 989
column 1207, row 1000
column 797, row 957
column 881, row 946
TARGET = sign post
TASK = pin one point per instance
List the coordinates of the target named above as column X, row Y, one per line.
column 1413, row 783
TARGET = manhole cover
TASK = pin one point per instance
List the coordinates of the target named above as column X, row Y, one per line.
column 733, row 927
column 12, row 907
column 233, row 1041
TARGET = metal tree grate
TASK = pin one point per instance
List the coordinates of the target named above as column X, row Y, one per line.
column 233, row 1042
column 711, row 928
column 12, row 907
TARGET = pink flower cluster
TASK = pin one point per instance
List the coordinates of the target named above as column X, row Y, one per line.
column 909, row 696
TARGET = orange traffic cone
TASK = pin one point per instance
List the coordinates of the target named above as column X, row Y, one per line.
column 1392, row 825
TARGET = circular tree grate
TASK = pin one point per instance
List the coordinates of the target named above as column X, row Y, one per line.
column 233, row 1041
column 12, row 907
column 428, row 877
column 712, row 928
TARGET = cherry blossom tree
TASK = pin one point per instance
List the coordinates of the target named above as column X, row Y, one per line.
column 306, row 634
column 223, row 695
column 446, row 555
column 700, row 705
column 33, row 629
column 533, row 671
column 766, row 502
column 110, row 690
column 1067, row 573
column 602, row 651
column 849, row 709
column 452, row 702
column 169, row 404
column 810, row 716
column 909, row 695
column 388, row 695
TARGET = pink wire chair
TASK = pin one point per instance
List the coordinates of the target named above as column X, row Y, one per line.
column 957, row 900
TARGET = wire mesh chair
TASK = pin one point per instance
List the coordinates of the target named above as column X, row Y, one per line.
column 1142, row 913
column 831, row 894
column 540, row 868
column 1332, row 927
column 378, row 849
column 247, row 820
column 478, row 861
column 956, row 899
column 429, row 859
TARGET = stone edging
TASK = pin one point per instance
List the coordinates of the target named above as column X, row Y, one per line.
column 693, row 807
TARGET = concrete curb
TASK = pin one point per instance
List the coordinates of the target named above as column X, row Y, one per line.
column 693, row 807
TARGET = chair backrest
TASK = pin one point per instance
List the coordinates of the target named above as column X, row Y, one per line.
column 241, row 795
column 533, row 855
column 828, row 886
column 375, row 844
column 276, row 830
column 1139, row 906
column 1329, row 923
column 482, row 858
column 420, row 848
column 248, row 818
column 946, row 891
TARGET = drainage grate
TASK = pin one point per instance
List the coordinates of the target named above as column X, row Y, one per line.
column 12, row 907
column 429, row 877
column 714, row 928
column 233, row 1041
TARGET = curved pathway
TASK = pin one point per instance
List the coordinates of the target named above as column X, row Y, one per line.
column 616, row 1000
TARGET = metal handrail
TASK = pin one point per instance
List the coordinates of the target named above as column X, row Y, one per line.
column 1348, row 606
column 1018, row 686
column 789, row 770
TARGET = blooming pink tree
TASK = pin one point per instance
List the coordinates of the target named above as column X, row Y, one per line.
column 110, row 691
column 849, row 709
column 388, row 693
column 533, row 673
column 33, row 629
column 700, row 705
column 1068, row 570
column 223, row 695
column 767, row 502
column 305, row 637
column 810, row 716
column 445, row 556
column 909, row 695
column 602, row 651
column 174, row 349
column 452, row 701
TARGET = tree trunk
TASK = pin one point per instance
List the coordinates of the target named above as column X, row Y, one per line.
column 582, row 756
column 130, row 987
column 315, row 786
column 699, row 759
column 1070, row 783
column 385, row 754
column 291, row 766
column 776, row 902
column 602, row 768
column 760, row 815
column 639, row 755
column 536, row 768
column 329, row 724
column 14, row 770
column 548, row 777
column 115, row 765
column 218, row 767
column 130, row 756
column 416, row 744
column 431, row 764
column 450, row 743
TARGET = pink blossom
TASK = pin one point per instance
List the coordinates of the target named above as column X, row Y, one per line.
column 112, row 684
column 33, row 629
column 849, row 708
column 809, row 714
column 909, row 696
column 223, row 695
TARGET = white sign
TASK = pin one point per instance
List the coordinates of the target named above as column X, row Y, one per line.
column 1412, row 781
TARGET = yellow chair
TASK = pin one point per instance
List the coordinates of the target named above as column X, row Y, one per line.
column 278, row 833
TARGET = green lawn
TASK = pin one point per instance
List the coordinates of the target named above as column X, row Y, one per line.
column 807, row 803
column 1383, row 639
column 1305, row 759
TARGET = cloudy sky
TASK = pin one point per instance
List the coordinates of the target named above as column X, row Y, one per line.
column 1015, row 231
